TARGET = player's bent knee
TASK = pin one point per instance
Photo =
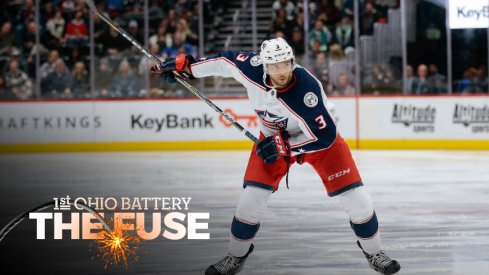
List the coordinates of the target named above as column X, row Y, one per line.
column 252, row 204
column 358, row 204
column 363, row 219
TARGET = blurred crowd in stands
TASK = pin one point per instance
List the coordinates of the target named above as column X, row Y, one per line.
column 331, row 38
column 121, row 71
column 64, row 48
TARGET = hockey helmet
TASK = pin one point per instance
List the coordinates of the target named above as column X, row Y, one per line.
column 276, row 50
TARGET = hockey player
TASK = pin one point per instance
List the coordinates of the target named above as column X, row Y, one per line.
column 296, row 126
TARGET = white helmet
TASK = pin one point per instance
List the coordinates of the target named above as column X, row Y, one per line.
column 274, row 51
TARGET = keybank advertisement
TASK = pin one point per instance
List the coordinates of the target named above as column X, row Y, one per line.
column 470, row 14
column 139, row 120
column 415, row 118
column 114, row 121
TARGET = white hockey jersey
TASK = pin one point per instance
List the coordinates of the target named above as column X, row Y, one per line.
column 301, row 109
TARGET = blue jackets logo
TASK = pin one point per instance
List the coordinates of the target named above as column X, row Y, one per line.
column 311, row 100
column 256, row 61
column 272, row 121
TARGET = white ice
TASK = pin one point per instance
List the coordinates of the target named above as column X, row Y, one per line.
column 432, row 206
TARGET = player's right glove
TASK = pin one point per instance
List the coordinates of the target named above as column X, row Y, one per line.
column 271, row 148
column 180, row 64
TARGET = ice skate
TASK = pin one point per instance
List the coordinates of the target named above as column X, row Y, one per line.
column 381, row 262
column 228, row 265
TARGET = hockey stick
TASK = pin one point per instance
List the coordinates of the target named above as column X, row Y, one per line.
column 15, row 221
column 191, row 88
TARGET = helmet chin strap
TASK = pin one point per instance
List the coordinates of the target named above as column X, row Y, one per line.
column 265, row 73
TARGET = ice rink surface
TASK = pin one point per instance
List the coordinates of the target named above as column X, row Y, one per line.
column 432, row 206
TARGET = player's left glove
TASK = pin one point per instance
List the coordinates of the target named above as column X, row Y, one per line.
column 271, row 148
column 180, row 64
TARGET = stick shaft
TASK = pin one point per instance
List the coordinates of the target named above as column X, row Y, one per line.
column 15, row 221
column 150, row 55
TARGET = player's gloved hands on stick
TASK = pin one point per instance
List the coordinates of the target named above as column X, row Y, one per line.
column 271, row 148
column 180, row 64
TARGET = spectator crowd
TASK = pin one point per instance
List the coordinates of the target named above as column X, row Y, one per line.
column 64, row 48
column 331, row 38
column 65, row 35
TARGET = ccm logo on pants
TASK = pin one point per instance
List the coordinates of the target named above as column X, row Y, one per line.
column 339, row 174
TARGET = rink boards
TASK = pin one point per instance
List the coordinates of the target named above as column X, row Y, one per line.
column 447, row 122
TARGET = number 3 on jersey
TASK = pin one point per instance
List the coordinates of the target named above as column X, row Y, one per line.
column 320, row 120
column 241, row 57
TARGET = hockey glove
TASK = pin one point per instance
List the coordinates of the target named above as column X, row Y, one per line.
column 273, row 147
column 180, row 64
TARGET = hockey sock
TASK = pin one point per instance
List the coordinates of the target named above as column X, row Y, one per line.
column 246, row 222
column 363, row 219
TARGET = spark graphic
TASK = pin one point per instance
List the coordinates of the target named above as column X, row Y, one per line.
column 118, row 246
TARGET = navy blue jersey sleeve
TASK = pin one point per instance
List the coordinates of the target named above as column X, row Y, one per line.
column 307, row 104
